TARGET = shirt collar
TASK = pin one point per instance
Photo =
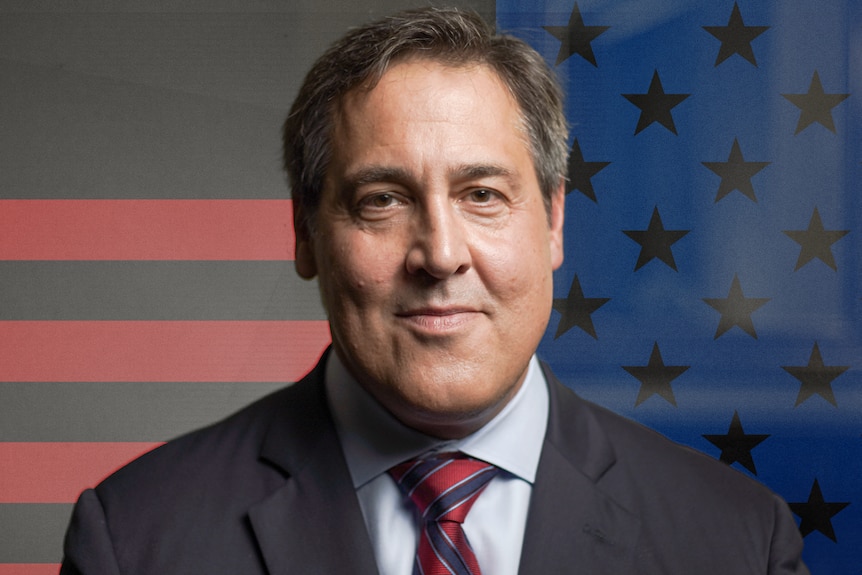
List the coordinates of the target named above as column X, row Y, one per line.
column 373, row 440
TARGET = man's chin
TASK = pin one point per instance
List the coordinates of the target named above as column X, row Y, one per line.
column 456, row 417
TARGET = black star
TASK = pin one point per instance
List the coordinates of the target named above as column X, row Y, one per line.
column 655, row 242
column 816, row 513
column 580, row 172
column 736, row 37
column 736, row 310
column 655, row 105
column 736, row 445
column 816, row 105
column 816, row 242
column 576, row 37
column 655, row 377
column 736, row 173
column 576, row 310
column 816, row 377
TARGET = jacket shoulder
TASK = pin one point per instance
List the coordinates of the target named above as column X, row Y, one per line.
column 211, row 451
column 692, row 508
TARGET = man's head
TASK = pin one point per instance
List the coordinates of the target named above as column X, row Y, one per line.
column 432, row 230
column 451, row 36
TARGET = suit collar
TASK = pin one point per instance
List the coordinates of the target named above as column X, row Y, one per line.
column 313, row 523
column 572, row 520
column 299, row 424
column 575, row 432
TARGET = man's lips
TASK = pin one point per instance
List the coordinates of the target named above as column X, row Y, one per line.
column 439, row 319
column 436, row 311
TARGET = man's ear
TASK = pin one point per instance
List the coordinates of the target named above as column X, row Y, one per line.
column 557, row 217
column 304, row 259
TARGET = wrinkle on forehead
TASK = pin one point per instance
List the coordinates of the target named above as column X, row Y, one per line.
column 359, row 95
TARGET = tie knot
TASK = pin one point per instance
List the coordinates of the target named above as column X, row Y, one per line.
column 445, row 486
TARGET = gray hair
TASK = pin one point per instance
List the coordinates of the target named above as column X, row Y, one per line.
column 448, row 35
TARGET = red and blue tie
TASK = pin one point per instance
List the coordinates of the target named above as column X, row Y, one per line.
column 444, row 488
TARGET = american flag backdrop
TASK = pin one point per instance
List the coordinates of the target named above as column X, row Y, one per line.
column 714, row 235
column 712, row 287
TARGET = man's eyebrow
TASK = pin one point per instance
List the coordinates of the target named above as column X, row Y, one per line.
column 375, row 174
column 476, row 171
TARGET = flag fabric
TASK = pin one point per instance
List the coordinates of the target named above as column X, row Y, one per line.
column 146, row 281
column 712, row 287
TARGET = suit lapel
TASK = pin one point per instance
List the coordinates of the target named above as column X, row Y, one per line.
column 313, row 523
column 573, row 526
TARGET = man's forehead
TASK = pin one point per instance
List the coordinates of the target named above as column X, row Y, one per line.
column 434, row 82
column 370, row 119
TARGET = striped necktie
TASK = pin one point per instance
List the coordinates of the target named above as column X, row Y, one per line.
column 443, row 488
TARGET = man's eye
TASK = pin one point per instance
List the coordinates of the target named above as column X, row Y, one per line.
column 380, row 201
column 481, row 196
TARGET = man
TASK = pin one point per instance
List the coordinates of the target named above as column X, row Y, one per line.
column 427, row 158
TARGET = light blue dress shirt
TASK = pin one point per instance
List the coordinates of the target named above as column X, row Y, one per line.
column 374, row 441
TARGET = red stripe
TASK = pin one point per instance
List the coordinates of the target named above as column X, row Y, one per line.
column 58, row 472
column 160, row 350
column 146, row 230
column 29, row 568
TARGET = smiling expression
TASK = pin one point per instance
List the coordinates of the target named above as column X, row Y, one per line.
column 433, row 245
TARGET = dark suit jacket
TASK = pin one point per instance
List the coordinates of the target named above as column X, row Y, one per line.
column 268, row 491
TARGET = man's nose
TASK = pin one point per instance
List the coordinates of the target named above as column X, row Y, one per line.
column 439, row 246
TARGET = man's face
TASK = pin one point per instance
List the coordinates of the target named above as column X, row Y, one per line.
column 433, row 245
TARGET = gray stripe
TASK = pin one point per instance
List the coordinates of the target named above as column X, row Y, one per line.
column 117, row 411
column 186, row 104
column 33, row 532
column 68, row 135
column 156, row 291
